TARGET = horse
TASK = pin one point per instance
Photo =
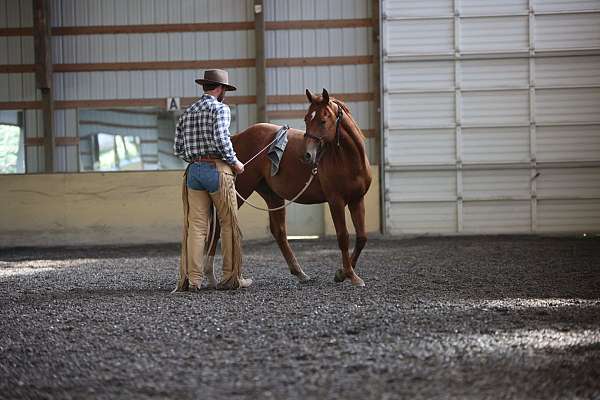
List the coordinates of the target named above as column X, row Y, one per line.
column 333, row 149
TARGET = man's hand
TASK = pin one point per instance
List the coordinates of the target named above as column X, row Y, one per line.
column 238, row 168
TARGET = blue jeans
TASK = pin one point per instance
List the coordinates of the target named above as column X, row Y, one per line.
column 203, row 176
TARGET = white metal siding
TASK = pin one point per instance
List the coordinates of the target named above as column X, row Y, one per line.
column 148, row 47
column 491, row 116
column 325, row 42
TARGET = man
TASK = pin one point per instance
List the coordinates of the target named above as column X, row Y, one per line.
column 202, row 139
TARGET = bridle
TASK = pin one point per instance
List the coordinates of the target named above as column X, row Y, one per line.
column 338, row 120
column 314, row 171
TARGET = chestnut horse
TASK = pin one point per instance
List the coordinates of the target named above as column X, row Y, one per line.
column 334, row 145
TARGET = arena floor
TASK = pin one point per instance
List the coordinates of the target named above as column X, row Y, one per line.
column 462, row 317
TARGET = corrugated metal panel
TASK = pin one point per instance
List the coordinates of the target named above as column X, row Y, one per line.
column 335, row 78
column 568, row 105
column 497, row 216
column 420, row 109
column 418, row 8
column 417, row 37
column 566, row 143
column 65, row 124
column 496, row 107
column 418, row 217
column 18, row 87
column 318, row 42
column 494, row 120
column 14, row 50
column 33, row 128
column 26, row 13
column 577, row 182
column 421, row 75
column 422, row 185
column 478, row 7
column 422, row 146
column 135, row 84
column 561, row 5
column 13, row 14
column 494, row 184
column 567, row 31
column 511, row 73
column 565, row 71
column 568, row 215
column 325, row 42
column 495, row 144
column 153, row 47
column 285, row 10
column 492, row 34
column 130, row 12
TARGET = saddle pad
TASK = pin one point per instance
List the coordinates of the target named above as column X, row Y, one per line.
column 275, row 152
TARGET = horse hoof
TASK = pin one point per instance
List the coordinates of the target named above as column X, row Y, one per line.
column 339, row 276
column 358, row 282
column 303, row 278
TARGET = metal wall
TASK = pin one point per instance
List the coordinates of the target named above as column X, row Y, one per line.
column 323, row 42
column 94, row 49
column 114, row 48
column 147, row 47
column 491, row 116
column 20, row 86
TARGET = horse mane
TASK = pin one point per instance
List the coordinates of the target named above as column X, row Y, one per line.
column 346, row 110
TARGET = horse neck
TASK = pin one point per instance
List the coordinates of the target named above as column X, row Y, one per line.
column 353, row 141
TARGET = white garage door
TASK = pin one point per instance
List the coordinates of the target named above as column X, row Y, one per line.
column 491, row 116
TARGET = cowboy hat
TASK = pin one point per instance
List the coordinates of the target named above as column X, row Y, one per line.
column 217, row 76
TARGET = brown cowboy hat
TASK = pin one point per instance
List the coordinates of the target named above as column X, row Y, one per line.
column 218, row 76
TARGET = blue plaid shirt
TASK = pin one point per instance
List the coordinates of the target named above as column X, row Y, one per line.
column 203, row 130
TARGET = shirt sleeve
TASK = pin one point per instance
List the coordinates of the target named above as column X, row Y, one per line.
column 179, row 145
column 221, row 135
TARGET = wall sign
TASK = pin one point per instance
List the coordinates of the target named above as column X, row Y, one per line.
column 173, row 103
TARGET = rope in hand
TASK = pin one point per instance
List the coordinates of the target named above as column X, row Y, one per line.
column 286, row 204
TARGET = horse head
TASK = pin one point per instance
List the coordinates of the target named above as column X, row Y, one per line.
column 322, row 125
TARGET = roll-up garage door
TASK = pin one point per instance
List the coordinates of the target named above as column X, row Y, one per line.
column 491, row 113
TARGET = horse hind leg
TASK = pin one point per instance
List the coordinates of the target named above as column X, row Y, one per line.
column 277, row 224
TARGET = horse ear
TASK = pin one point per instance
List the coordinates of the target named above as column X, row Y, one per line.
column 310, row 96
column 325, row 96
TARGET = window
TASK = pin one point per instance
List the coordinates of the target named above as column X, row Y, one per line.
column 12, row 143
column 111, row 152
column 127, row 139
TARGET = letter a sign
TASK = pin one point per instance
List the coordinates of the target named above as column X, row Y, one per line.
column 173, row 103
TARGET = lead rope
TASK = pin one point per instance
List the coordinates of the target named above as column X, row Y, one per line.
column 310, row 179
column 312, row 176
column 214, row 213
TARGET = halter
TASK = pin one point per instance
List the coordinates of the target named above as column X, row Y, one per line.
column 338, row 120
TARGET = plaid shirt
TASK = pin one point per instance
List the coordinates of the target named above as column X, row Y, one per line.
column 203, row 130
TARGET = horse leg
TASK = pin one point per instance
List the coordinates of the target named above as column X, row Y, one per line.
column 278, row 227
column 357, row 212
column 339, row 221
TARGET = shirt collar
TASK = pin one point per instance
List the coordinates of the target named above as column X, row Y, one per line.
column 205, row 95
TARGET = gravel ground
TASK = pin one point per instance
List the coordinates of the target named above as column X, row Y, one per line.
column 461, row 317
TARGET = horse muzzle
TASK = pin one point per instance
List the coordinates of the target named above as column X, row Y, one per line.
column 311, row 151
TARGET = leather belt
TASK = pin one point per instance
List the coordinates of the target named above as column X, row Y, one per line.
column 210, row 159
